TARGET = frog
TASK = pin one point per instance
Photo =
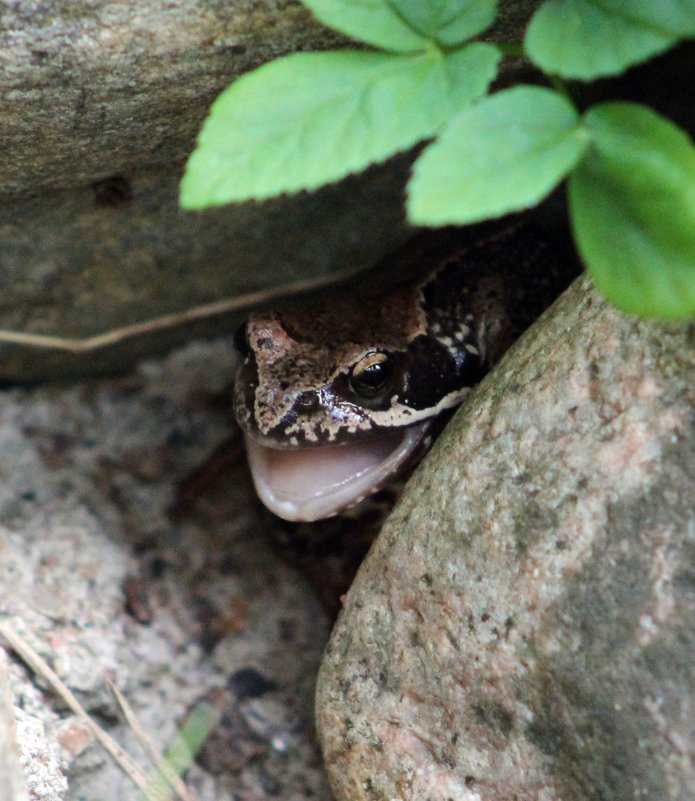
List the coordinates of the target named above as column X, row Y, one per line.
column 338, row 397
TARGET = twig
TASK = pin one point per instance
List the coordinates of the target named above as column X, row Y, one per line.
column 165, row 321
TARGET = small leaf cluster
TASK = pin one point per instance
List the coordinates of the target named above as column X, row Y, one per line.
column 310, row 118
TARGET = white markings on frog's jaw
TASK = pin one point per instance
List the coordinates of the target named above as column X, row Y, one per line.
column 399, row 412
column 313, row 483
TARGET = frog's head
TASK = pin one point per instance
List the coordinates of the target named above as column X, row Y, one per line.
column 332, row 411
column 336, row 399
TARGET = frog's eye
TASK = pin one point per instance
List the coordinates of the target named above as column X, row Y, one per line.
column 241, row 341
column 372, row 375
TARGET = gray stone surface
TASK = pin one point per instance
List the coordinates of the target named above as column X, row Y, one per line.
column 101, row 580
column 74, row 268
column 524, row 626
column 13, row 786
column 91, row 88
column 99, row 107
column 100, row 102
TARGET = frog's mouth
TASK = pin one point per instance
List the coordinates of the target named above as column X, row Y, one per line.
column 306, row 484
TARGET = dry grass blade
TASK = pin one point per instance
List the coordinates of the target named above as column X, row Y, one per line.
column 163, row 767
column 39, row 666
column 116, row 335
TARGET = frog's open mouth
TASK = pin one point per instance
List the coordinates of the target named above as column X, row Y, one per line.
column 308, row 484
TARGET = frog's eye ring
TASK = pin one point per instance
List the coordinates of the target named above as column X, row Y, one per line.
column 372, row 375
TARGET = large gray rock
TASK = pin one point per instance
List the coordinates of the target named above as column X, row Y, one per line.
column 524, row 626
column 92, row 88
column 100, row 103
column 74, row 269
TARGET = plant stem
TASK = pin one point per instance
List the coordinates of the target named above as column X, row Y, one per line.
column 510, row 48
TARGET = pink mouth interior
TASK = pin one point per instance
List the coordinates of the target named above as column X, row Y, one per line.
column 312, row 483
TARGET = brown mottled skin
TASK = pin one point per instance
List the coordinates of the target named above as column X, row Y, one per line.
column 455, row 309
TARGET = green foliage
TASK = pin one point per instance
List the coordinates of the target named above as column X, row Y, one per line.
column 590, row 38
column 372, row 21
column 406, row 26
column 500, row 155
column 307, row 119
column 633, row 196
column 331, row 114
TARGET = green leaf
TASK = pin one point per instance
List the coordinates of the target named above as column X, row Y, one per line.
column 311, row 118
column 502, row 154
column 448, row 22
column 374, row 22
column 632, row 205
column 406, row 26
column 588, row 38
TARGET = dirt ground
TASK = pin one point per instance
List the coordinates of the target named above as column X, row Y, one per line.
column 115, row 565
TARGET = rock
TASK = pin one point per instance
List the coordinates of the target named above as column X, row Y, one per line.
column 14, row 779
column 105, row 284
column 109, row 87
column 110, row 90
column 99, row 107
column 524, row 625
column 91, row 236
